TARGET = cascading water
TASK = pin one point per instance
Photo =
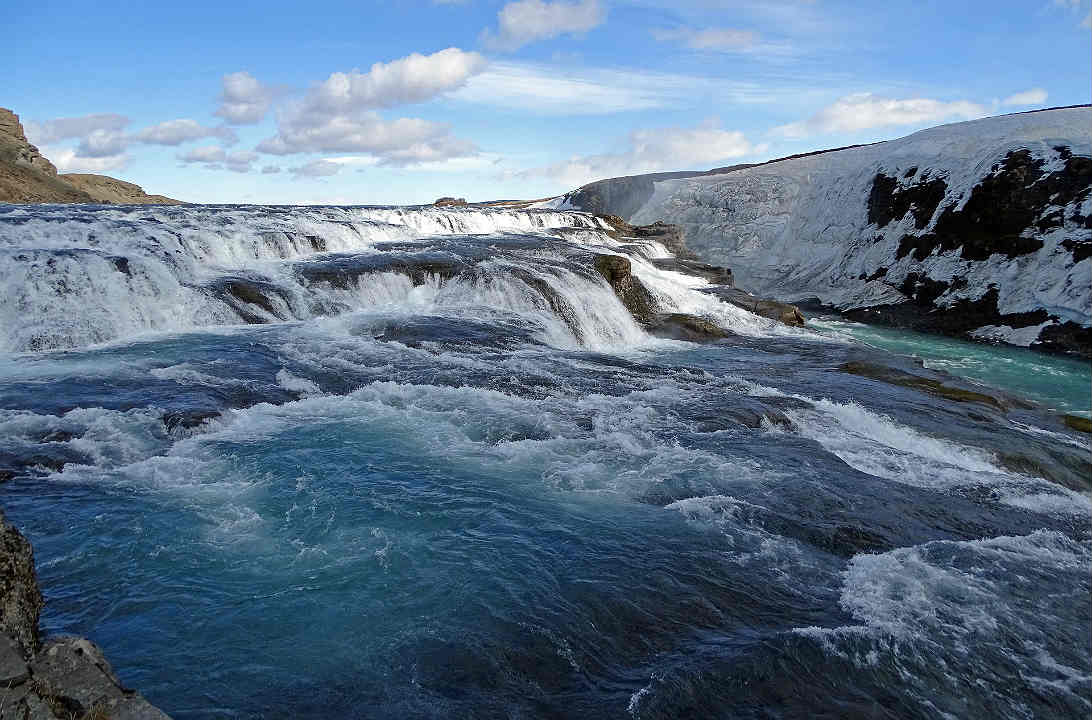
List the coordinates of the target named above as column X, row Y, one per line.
column 413, row 462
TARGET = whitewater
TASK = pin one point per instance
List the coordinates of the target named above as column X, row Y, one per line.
column 420, row 462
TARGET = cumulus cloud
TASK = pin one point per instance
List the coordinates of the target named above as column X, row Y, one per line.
column 401, row 142
column 720, row 39
column 270, row 170
column 214, row 157
column 176, row 132
column 207, row 154
column 863, row 111
column 316, row 169
column 339, row 114
column 412, row 79
column 73, row 127
column 67, row 160
column 655, row 150
column 527, row 21
column 243, row 100
column 1034, row 96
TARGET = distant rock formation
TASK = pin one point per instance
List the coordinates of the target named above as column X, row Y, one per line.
column 448, row 201
column 981, row 229
column 65, row 677
column 26, row 176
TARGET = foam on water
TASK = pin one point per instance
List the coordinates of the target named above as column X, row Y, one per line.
column 877, row 445
column 973, row 604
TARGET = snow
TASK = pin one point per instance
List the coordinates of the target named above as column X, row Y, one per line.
column 799, row 228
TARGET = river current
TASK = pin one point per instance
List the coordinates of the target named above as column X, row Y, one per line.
column 382, row 462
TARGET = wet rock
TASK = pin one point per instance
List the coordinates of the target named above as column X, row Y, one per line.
column 894, row 376
column 181, row 420
column 681, row 326
column 20, row 599
column 342, row 272
column 68, row 677
column 631, row 291
column 714, row 274
column 668, row 235
column 1078, row 423
column 772, row 309
column 73, row 673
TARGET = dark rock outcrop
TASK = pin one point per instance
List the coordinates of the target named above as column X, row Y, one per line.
column 67, row 678
column 932, row 386
column 631, row 291
column 772, row 309
column 668, row 235
column 715, row 274
column 449, row 201
column 681, row 326
column 1078, row 423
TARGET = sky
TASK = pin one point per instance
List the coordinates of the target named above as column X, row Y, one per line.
column 404, row 101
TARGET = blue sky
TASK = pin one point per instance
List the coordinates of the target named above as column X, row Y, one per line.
column 404, row 101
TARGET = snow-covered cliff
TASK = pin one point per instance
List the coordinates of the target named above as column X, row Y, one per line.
column 981, row 228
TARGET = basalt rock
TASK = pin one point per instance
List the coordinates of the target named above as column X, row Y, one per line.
column 1078, row 423
column 67, row 678
column 631, row 291
column 20, row 599
column 681, row 326
column 668, row 235
column 931, row 386
column 772, row 309
column 714, row 274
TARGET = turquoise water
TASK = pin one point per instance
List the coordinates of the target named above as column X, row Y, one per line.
column 1059, row 383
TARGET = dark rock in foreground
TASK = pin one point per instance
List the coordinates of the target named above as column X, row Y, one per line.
column 67, row 677
column 773, row 309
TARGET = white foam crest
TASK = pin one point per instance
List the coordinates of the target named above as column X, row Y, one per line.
column 877, row 445
column 102, row 438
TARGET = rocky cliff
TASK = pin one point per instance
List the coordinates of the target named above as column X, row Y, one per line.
column 980, row 229
column 26, row 176
column 66, row 677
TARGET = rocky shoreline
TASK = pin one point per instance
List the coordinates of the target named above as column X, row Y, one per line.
column 61, row 678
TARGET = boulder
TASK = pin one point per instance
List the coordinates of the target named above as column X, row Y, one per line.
column 20, row 599
column 68, row 677
column 631, row 291
column 681, row 326
column 772, row 309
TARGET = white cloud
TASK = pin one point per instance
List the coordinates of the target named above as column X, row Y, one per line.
column 206, row 154
column 270, row 170
column 1034, row 96
column 339, row 114
column 67, row 160
column 655, row 150
column 863, row 111
column 526, row 21
column 73, row 127
column 243, row 100
column 1087, row 22
column 316, row 169
column 548, row 90
column 102, row 144
column 412, row 79
column 214, row 157
column 176, row 132
column 400, row 142
column 722, row 39
column 240, row 161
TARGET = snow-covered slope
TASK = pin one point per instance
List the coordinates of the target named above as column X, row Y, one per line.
column 981, row 228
